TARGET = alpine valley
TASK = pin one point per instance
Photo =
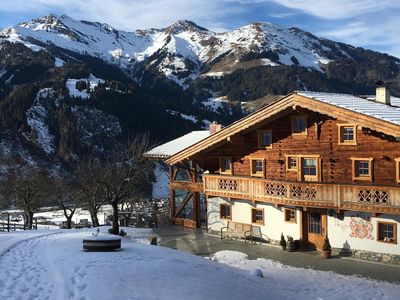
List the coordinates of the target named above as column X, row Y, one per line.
column 70, row 87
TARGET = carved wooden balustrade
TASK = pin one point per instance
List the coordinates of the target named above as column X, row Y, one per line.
column 312, row 194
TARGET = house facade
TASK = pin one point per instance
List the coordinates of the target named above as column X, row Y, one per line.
column 310, row 165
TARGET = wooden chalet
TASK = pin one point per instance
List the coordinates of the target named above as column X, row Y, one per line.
column 309, row 165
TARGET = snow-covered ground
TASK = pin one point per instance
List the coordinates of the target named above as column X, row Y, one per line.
column 55, row 267
column 50, row 264
column 55, row 216
column 183, row 116
column 74, row 92
column 298, row 283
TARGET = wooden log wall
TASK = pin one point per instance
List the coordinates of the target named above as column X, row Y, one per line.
column 321, row 139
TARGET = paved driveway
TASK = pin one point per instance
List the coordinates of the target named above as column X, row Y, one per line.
column 204, row 244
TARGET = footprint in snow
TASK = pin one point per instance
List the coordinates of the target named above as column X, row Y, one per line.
column 82, row 287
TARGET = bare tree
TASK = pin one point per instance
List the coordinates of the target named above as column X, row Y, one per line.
column 125, row 174
column 87, row 173
column 66, row 192
column 27, row 188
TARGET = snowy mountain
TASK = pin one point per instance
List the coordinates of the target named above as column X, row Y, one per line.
column 70, row 87
column 183, row 51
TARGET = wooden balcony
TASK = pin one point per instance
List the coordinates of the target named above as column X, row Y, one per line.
column 376, row 199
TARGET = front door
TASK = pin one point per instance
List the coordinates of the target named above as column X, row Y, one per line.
column 314, row 228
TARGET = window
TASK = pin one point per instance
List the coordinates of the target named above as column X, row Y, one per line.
column 362, row 168
column 299, row 125
column 314, row 223
column 309, row 168
column 181, row 173
column 225, row 165
column 257, row 167
column 265, row 139
column 290, row 215
column 387, row 232
column 347, row 134
column 257, row 216
column 225, row 211
column 397, row 161
column 291, row 163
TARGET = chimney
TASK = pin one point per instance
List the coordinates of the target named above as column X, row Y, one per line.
column 215, row 127
column 382, row 93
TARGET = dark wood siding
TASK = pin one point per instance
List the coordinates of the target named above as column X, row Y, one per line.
column 321, row 139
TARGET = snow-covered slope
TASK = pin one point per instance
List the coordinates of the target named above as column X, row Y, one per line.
column 50, row 264
column 179, row 51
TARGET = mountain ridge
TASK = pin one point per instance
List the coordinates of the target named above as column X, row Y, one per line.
column 183, row 40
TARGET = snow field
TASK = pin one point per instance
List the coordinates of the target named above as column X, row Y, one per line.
column 74, row 92
column 55, row 267
column 51, row 265
column 298, row 283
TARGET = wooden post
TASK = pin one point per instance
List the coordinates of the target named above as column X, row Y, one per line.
column 8, row 222
column 171, row 195
column 196, row 206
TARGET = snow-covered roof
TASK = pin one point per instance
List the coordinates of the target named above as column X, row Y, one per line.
column 394, row 101
column 360, row 105
column 172, row 147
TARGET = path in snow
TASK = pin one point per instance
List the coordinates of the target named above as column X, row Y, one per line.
column 24, row 271
column 55, row 267
column 37, row 269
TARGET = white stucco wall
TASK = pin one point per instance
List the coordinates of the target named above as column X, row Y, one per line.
column 343, row 234
column 214, row 222
column 274, row 223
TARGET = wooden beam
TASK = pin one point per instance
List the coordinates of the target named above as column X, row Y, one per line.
column 187, row 186
column 174, row 172
column 183, row 204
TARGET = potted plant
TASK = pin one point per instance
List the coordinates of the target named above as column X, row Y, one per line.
column 283, row 242
column 326, row 248
column 290, row 244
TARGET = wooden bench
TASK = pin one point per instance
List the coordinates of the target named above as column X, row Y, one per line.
column 235, row 230
column 238, row 230
column 254, row 233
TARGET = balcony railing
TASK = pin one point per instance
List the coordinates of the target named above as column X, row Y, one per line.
column 314, row 194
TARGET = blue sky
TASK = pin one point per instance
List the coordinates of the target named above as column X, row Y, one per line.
column 370, row 24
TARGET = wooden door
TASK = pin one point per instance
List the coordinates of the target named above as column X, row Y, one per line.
column 314, row 228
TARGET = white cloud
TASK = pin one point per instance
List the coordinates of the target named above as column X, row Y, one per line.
column 338, row 9
column 129, row 14
column 376, row 34
column 367, row 23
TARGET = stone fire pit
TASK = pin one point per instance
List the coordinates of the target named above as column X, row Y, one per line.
column 101, row 243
